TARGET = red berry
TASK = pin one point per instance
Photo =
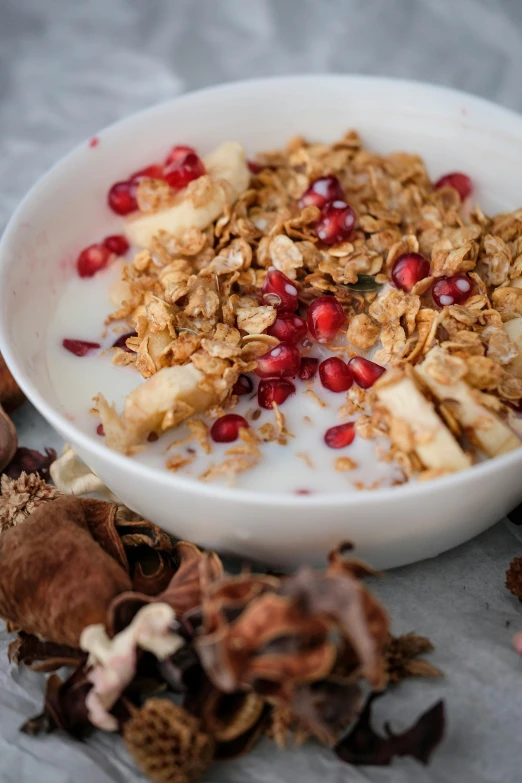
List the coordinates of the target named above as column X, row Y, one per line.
column 92, row 259
column 274, row 390
column 99, row 430
column 335, row 375
column 116, row 243
column 253, row 167
column 279, row 362
column 288, row 328
column 408, row 269
column 365, row 372
column 461, row 182
column 121, row 341
column 308, row 368
column 154, row 171
column 321, row 191
column 80, row 347
column 178, row 152
column 336, row 222
column 340, row 436
column 451, row 290
column 122, row 197
column 226, row 428
column 279, row 291
column 183, row 170
column 325, row 317
column 243, row 385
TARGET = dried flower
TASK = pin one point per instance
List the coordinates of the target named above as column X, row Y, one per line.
column 402, row 658
column 168, row 743
column 21, row 496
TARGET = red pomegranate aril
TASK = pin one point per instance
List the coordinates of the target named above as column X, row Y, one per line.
column 325, row 317
column 341, row 436
column 100, row 431
column 183, row 170
column 281, row 361
column 335, row 375
column 116, row 243
column 321, row 191
column 336, row 222
column 288, row 328
column 226, row 428
column 80, row 347
column 121, row 341
column 308, row 368
column 279, row 291
column 92, row 259
column 274, row 390
column 178, row 152
column 243, row 385
column 365, row 372
column 409, row 269
column 451, row 290
column 154, row 171
column 253, row 167
column 456, row 179
column 122, row 197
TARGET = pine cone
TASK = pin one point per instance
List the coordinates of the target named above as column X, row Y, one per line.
column 21, row 496
column 167, row 742
column 514, row 577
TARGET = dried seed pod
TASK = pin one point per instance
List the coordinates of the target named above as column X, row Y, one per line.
column 8, row 439
column 167, row 743
column 11, row 396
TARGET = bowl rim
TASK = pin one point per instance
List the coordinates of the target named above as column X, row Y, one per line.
column 176, row 481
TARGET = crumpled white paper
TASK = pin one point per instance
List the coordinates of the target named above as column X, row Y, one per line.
column 69, row 68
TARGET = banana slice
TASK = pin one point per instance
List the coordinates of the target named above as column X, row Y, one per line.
column 493, row 436
column 513, row 330
column 163, row 401
column 227, row 162
column 434, row 444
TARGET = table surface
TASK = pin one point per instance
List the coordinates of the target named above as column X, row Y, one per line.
column 67, row 69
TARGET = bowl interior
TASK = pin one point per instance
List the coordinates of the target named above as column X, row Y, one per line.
column 67, row 209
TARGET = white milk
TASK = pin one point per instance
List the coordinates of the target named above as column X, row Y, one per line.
column 81, row 313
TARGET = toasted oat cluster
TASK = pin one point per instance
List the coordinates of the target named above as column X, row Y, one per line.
column 239, row 271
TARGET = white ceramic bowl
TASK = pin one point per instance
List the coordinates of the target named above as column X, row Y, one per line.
column 66, row 209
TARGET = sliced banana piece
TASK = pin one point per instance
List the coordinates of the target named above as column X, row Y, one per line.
column 227, row 162
column 434, row 444
column 493, row 435
column 513, row 330
column 163, row 401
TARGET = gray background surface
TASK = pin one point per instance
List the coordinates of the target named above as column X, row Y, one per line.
column 69, row 67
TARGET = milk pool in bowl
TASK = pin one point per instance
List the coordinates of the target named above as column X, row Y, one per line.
column 304, row 464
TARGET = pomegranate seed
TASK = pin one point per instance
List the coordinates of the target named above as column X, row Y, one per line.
column 461, row 182
column 321, row 191
column 274, row 390
column 226, row 428
column 80, row 347
column 335, row 375
column 99, row 430
column 308, row 368
column 122, row 197
column 303, row 492
column 154, row 171
column 409, row 269
column 365, row 372
column 253, row 167
column 183, row 170
column 451, row 290
column 325, row 317
column 340, row 436
column 288, row 328
column 178, row 152
column 121, row 342
column 280, row 361
column 92, row 259
column 243, row 385
column 116, row 243
column 279, row 291
column 336, row 222
column 94, row 142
